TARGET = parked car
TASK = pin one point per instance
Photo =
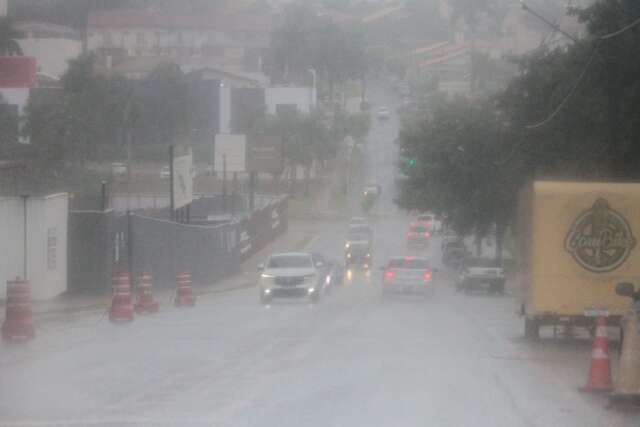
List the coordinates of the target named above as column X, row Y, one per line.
column 476, row 273
column 454, row 252
column 290, row 275
column 408, row 274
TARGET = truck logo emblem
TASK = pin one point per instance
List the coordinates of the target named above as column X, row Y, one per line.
column 600, row 239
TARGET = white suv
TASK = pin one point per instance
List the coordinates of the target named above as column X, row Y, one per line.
column 291, row 274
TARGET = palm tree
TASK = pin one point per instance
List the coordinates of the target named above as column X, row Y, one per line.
column 8, row 34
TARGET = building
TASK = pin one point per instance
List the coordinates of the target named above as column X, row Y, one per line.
column 233, row 42
column 51, row 45
column 279, row 98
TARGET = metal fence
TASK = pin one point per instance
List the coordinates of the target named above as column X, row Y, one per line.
column 210, row 251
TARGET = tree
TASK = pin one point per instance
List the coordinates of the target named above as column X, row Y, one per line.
column 306, row 42
column 9, row 46
column 453, row 163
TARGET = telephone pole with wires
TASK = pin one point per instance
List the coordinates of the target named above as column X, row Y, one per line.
column 607, row 50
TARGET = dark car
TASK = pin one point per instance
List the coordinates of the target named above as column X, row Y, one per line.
column 476, row 273
column 358, row 253
column 454, row 252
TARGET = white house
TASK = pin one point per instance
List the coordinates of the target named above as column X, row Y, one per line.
column 302, row 99
column 51, row 45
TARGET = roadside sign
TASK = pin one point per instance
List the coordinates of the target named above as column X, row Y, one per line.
column 230, row 153
column 182, row 179
column 265, row 153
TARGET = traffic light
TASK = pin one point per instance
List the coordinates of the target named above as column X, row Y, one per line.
column 412, row 162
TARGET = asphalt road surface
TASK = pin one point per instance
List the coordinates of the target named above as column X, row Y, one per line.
column 354, row 359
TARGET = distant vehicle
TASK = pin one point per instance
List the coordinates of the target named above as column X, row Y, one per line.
column 357, row 253
column 372, row 190
column 408, row 274
column 323, row 267
column 335, row 276
column 454, row 252
column 479, row 273
column 424, row 219
column 418, row 235
column 165, row 172
column 358, row 247
column 290, row 275
column 118, row 168
column 383, row 113
column 449, row 238
column 360, row 232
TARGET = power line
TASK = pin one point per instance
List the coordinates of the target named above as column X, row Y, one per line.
column 621, row 30
column 571, row 92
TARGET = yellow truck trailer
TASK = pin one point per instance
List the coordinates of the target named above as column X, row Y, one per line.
column 576, row 242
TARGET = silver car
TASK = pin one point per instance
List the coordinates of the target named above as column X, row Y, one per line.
column 408, row 274
column 290, row 275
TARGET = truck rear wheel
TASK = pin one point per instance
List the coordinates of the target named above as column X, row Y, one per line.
column 531, row 329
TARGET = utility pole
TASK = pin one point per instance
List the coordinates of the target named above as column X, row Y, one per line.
column 546, row 21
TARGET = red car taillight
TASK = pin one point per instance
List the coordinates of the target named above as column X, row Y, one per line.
column 388, row 275
column 427, row 276
column 427, row 234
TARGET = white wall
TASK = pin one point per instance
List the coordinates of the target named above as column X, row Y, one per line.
column 46, row 243
column 51, row 54
column 303, row 97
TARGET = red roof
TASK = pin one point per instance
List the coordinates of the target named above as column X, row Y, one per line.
column 156, row 19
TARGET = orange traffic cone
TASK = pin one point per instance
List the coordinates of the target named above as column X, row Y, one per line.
column 600, row 373
column 145, row 303
column 18, row 323
column 121, row 303
column 184, row 292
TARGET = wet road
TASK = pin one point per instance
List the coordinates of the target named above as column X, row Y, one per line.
column 354, row 359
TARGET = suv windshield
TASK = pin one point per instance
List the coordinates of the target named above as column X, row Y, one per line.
column 289, row 261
